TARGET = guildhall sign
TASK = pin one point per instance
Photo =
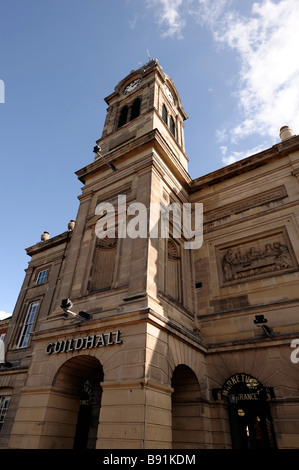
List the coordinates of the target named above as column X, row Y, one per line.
column 86, row 342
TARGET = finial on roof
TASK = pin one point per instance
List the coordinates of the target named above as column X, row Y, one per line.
column 45, row 236
column 286, row 132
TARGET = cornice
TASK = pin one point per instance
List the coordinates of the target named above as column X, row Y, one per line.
column 152, row 138
column 47, row 244
column 245, row 165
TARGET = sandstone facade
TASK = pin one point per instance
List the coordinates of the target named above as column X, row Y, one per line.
column 176, row 353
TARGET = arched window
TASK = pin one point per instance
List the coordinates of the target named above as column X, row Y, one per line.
column 135, row 110
column 173, row 271
column 164, row 113
column 172, row 126
column 102, row 270
column 123, row 116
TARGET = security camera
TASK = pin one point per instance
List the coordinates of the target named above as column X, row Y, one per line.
column 260, row 321
column 96, row 149
column 66, row 304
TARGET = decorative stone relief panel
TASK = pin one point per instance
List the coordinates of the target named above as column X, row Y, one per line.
column 254, row 258
column 103, row 264
column 173, row 270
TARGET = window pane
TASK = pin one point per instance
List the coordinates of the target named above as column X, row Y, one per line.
column 135, row 111
column 4, row 402
column 164, row 113
column 42, row 276
column 28, row 325
column 123, row 116
column 171, row 125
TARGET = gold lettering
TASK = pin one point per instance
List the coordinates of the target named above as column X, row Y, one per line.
column 247, row 396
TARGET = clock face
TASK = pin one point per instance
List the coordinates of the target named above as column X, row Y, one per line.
column 168, row 93
column 132, row 86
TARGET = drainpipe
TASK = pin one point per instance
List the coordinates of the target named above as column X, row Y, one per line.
column 144, row 385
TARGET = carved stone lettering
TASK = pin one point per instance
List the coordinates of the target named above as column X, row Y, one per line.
column 246, row 204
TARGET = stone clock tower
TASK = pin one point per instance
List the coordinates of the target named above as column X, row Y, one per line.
column 141, row 157
column 149, row 95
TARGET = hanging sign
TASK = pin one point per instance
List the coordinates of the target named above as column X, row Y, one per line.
column 86, row 342
column 244, row 387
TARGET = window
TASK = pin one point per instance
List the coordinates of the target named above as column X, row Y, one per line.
column 164, row 113
column 173, row 274
column 103, row 264
column 129, row 112
column 28, row 325
column 42, row 276
column 123, row 116
column 4, row 402
column 135, row 110
column 169, row 122
column 172, row 126
column 2, row 349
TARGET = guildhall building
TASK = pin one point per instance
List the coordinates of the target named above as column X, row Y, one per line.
column 122, row 342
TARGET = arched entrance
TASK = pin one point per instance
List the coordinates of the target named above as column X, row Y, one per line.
column 185, row 408
column 79, row 381
column 249, row 413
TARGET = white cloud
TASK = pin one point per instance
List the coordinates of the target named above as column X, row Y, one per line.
column 235, row 156
column 133, row 22
column 209, row 12
column 267, row 44
column 168, row 16
column 4, row 315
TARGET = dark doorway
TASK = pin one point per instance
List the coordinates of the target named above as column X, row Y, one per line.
column 77, row 394
column 251, row 426
column 249, row 413
column 89, row 410
column 83, row 423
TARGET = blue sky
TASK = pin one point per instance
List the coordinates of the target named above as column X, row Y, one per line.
column 235, row 64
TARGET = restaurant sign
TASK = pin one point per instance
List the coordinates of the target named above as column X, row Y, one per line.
column 85, row 342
